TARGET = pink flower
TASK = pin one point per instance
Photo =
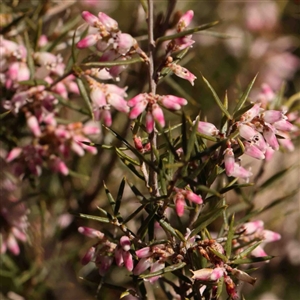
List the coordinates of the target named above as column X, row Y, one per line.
column 207, row 128
column 207, row 274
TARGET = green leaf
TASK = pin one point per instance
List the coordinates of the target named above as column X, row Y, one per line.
column 248, row 250
column 191, row 141
column 169, row 229
column 251, row 260
column 85, row 96
column 107, row 64
column 245, row 96
column 218, row 254
column 274, row 178
column 110, row 198
column 135, row 151
column 30, row 62
column 94, row 218
column 206, row 219
column 124, row 156
column 220, row 287
column 186, row 32
column 230, row 234
column 217, row 99
column 165, row 270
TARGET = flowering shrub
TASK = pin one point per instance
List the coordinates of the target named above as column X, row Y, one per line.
column 80, row 98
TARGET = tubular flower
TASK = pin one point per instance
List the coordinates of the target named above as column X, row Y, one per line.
column 151, row 102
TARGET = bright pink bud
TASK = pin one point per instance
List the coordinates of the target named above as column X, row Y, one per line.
column 106, row 116
column 119, row 257
column 12, row 245
column 125, row 243
column 13, row 154
column 91, row 128
column 107, row 21
column 149, row 122
column 185, row 20
column 143, row 252
column 90, row 232
column 207, row 128
column 135, row 100
column 59, row 166
column 128, row 260
column 259, row 252
column 253, row 151
column 271, row 116
column 88, row 256
column 138, row 109
column 193, row 197
column 142, row 266
column 88, row 41
column 269, row 153
column 175, row 99
column 158, row 115
column 90, row 18
column 33, row 125
column 77, row 148
column 179, row 204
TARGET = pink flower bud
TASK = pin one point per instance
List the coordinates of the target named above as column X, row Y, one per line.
column 106, row 116
column 270, row 137
column 251, row 113
column 149, row 122
column 287, row 144
column 12, row 245
column 179, row 204
column 88, row 41
column 207, row 274
column 229, row 161
column 135, row 100
column 118, row 102
column 259, row 252
column 185, row 20
column 88, row 256
column 125, row 243
column 13, row 154
column 207, row 128
column 33, row 125
column 193, row 197
column 157, row 266
column 107, row 21
column 90, row 232
column 128, row 260
column 125, row 43
column 253, row 151
column 104, row 264
column 90, row 18
column 240, row 172
column 271, row 236
column 284, row 125
column 138, row 109
column 119, row 257
column 97, row 96
column 143, row 252
column 142, row 266
column 252, row 227
column 269, row 153
column 158, row 115
column 271, row 116
column 247, row 132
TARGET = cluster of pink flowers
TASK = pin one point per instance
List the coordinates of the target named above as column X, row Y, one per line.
column 13, row 214
column 252, row 232
column 150, row 103
column 179, row 199
column 110, row 41
column 261, row 132
column 52, row 146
